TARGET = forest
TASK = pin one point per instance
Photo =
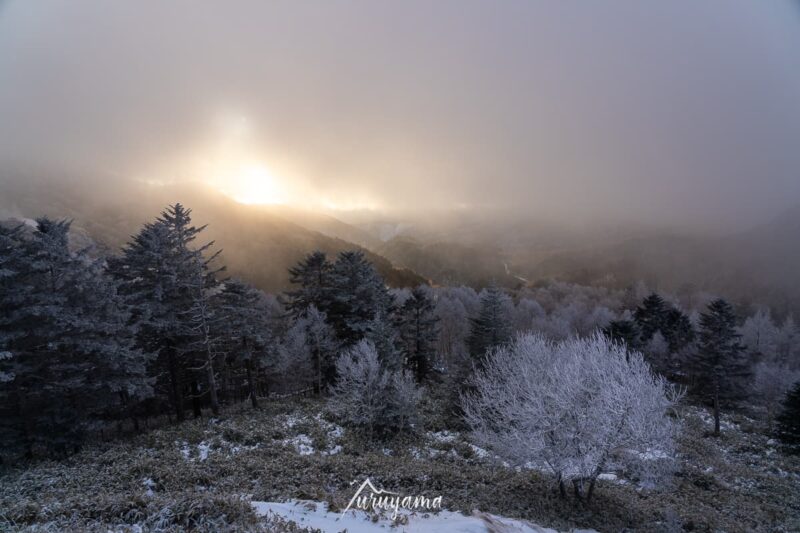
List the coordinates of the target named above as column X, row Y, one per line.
column 568, row 381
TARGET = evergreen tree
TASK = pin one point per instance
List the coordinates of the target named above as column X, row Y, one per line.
column 491, row 328
column 719, row 363
column 168, row 278
column 382, row 333
column 650, row 316
column 677, row 330
column 358, row 294
column 788, row 430
column 313, row 275
column 68, row 355
column 244, row 329
column 322, row 347
column 625, row 332
column 419, row 332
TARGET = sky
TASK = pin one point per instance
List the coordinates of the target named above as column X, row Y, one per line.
column 662, row 112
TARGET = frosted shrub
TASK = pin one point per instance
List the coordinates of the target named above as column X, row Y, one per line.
column 571, row 407
column 369, row 396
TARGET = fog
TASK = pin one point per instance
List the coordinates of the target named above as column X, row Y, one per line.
column 674, row 113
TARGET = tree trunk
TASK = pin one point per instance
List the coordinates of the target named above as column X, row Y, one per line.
column 251, row 383
column 591, row 489
column 562, row 490
column 198, row 411
column 175, row 385
column 716, row 409
column 212, row 384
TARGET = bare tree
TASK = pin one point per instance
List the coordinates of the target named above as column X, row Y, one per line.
column 571, row 407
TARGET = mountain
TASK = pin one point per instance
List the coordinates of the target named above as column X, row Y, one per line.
column 258, row 244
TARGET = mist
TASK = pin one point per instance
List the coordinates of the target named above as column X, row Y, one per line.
column 675, row 114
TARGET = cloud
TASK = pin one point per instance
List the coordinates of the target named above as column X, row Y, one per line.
column 665, row 113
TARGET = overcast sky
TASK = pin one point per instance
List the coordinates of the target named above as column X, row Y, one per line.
column 670, row 112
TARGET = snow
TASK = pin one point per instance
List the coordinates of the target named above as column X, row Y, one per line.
column 315, row 515
column 302, row 443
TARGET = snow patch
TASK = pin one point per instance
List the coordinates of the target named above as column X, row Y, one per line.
column 315, row 515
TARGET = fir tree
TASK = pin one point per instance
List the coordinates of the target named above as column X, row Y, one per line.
column 491, row 328
column 677, row 330
column 382, row 333
column 313, row 275
column 788, row 422
column 244, row 329
column 168, row 278
column 358, row 294
column 625, row 332
column 650, row 316
column 67, row 342
column 419, row 332
column 719, row 363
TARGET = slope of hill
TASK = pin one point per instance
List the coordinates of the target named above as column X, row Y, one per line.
column 257, row 243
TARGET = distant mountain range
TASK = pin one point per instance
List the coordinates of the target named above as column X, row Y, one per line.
column 260, row 243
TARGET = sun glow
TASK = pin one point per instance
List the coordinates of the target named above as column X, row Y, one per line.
column 254, row 183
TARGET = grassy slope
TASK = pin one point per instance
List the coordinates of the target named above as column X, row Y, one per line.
column 161, row 480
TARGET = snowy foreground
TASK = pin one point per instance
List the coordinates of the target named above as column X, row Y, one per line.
column 315, row 515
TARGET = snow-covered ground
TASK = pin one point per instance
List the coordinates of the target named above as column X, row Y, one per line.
column 315, row 515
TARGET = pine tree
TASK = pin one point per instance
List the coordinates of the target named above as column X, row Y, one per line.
column 625, row 332
column 322, row 346
column 650, row 316
column 244, row 329
column 719, row 363
column 788, row 430
column 358, row 294
column 313, row 275
column 491, row 328
column 382, row 333
column 168, row 278
column 677, row 330
column 67, row 343
column 419, row 332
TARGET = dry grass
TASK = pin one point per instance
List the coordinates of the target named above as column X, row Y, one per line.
column 147, row 480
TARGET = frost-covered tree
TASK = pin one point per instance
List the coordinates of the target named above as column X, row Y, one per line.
column 570, row 406
column 453, row 329
column 719, row 364
column 491, row 327
column 759, row 336
column 677, row 330
column 418, row 331
column 789, row 421
column 313, row 275
column 358, row 294
column 651, row 316
column 787, row 343
column 382, row 333
column 243, row 330
column 771, row 381
column 67, row 343
column 319, row 345
column 163, row 273
column 625, row 332
column 369, row 396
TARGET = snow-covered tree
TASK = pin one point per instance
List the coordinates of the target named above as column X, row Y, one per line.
column 67, row 341
column 651, row 316
column 313, row 275
column 244, row 330
column 383, row 334
column 319, row 345
column 759, row 336
column 570, row 406
column 369, row 396
column 491, row 327
column 164, row 274
column 789, row 420
column 418, row 332
column 719, row 363
column 358, row 294
column 769, row 385
column 453, row 325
